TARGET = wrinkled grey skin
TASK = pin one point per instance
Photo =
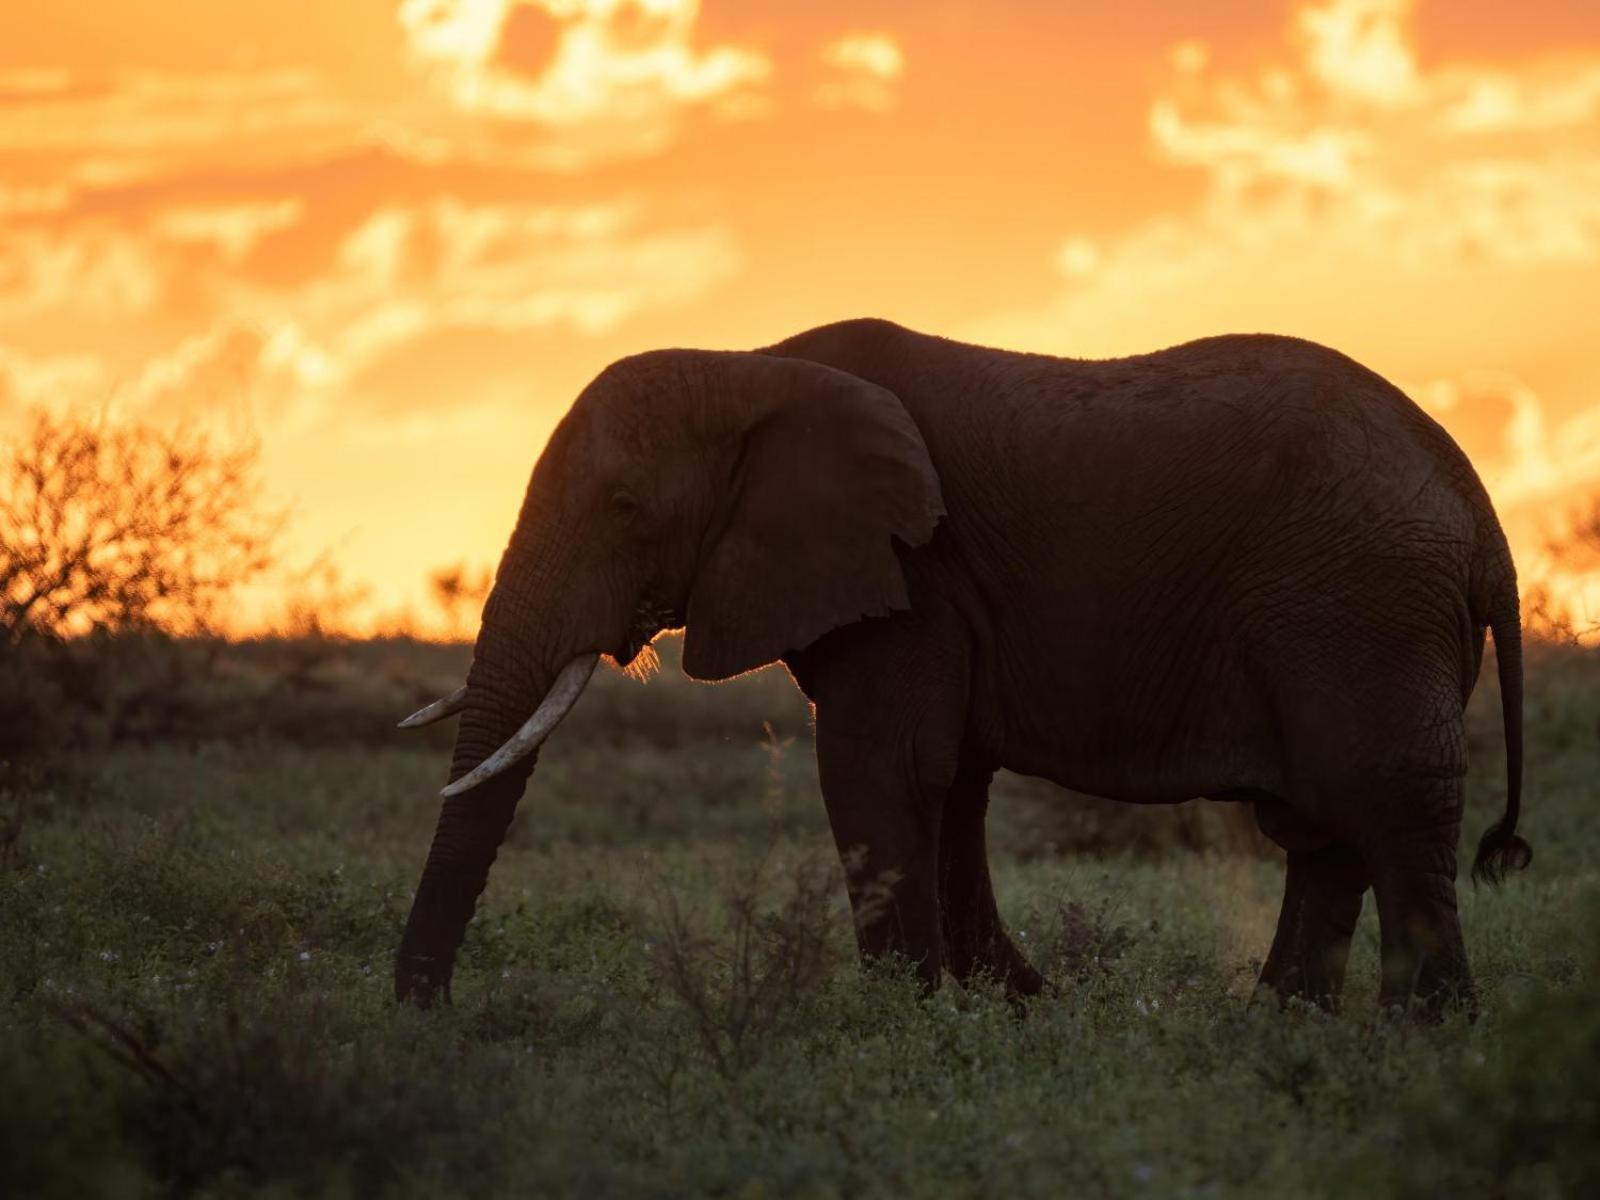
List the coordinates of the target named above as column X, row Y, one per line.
column 1244, row 568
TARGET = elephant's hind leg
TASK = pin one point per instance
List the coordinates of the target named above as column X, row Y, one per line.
column 1321, row 903
column 975, row 941
column 1413, row 864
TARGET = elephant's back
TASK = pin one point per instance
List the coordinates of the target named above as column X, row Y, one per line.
column 1247, row 474
column 1273, row 425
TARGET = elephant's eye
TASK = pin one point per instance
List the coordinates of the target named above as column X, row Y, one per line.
column 624, row 504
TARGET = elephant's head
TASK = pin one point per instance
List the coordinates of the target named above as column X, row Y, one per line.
column 753, row 499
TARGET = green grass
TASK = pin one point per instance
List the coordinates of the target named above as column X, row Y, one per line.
column 196, row 931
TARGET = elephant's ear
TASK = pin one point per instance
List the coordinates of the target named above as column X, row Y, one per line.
column 830, row 471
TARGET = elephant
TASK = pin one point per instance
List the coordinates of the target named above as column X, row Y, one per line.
column 1244, row 568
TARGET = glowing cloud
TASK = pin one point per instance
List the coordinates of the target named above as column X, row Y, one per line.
column 863, row 71
column 233, row 229
column 445, row 265
column 1354, row 144
column 27, row 380
column 99, row 271
column 1358, row 48
column 1348, row 153
column 621, row 71
column 138, row 122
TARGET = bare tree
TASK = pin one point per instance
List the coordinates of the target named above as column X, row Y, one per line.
column 113, row 527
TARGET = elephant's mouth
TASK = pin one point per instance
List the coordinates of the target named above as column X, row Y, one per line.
column 649, row 619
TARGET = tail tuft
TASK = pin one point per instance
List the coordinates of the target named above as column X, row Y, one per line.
column 1500, row 852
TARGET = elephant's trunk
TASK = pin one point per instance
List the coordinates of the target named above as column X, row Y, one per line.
column 505, row 685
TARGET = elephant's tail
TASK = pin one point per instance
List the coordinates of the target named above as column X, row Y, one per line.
column 1501, row 851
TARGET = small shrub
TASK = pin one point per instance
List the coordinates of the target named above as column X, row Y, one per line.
column 280, row 1097
column 59, row 1134
column 777, row 946
column 1087, row 942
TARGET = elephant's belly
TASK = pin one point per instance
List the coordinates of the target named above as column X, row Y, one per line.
column 1149, row 744
column 1139, row 781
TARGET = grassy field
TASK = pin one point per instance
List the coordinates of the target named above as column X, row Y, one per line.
column 660, row 996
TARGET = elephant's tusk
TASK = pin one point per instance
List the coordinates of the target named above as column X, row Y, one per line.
column 437, row 711
column 563, row 694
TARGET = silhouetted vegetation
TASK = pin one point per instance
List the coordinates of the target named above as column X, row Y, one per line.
column 459, row 592
column 1577, row 543
column 1574, row 546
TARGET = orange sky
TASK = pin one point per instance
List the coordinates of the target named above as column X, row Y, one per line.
column 395, row 237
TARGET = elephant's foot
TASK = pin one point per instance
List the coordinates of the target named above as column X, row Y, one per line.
column 896, row 916
column 1022, row 979
column 1321, row 904
column 421, row 980
column 1306, row 978
column 990, row 953
column 1425, row 971
column 975, row 940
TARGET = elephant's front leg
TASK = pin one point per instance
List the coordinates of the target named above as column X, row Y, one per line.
column 890, row 699
column 886, row 826
column 975, row 941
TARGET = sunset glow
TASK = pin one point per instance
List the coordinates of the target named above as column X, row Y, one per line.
column 394, row 238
